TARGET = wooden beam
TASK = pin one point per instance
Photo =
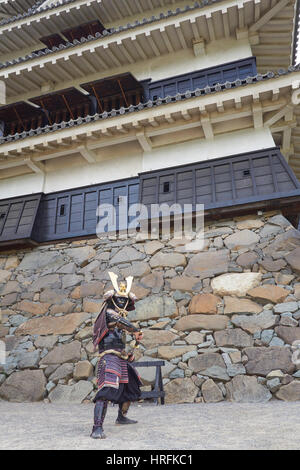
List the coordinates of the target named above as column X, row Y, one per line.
column 276, row 116
column 36, row 167
column 267, row 16
column 282, row 125
column 144, row 141
column 257, row 115
column 207, row 126
column 87, row 154
column 210, row 26
column 226, row 23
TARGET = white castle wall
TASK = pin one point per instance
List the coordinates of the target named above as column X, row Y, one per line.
column 128, row 160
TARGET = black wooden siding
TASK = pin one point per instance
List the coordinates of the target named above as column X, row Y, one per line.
column 200, row 79
column 222, row 183
column 73, row 213
column 17, row 217
column 240, row 179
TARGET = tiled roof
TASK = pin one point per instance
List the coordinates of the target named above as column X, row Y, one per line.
column 296, row 47
column 105, row 33
column 34, row 11
column 15, row 6
column 149, row 104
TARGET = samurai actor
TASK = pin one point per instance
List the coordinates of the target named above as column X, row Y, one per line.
column 118, row 381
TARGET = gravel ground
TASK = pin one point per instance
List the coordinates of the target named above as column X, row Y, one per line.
column 274, row 425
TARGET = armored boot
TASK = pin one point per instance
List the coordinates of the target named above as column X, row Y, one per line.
column 99, row 415
column 123, row 409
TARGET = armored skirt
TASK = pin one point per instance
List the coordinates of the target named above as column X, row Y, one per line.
column 118, row 381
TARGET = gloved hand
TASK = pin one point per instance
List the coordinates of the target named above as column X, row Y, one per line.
column 138, row 335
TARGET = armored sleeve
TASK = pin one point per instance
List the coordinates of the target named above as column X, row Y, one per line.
column 120, row 322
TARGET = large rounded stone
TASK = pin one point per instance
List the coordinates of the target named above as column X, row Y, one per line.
column 269, row 230
column 171, row 352
column 208, row 264
column 184, row 283
column 204, row 303
column 237, row 305
column 297, row 291
column 152, row 247
column 34, row 308
column 24, row 386
column 246, row 260
column 268, row 293
column 293, row 259
column 148, row 374
column 83, row 370
column 243, row 389
column 38, row 260
column 202, row 322
column 71, row 393
column 167, row 260
column 234, row 337
column 235, row 283
column 288, row 334
column 153, row 307
column 246, row 223
column 270, row 265
column 71, row 280
column 44, row 282
column 85, row 333
column 211, row 392
column 12, row 262
column 89, row 289
column 4, row 275
column 53, row 296
column 139, row 291
column 154, row 338
column 255, row 323
column 202, row 362
column 65, row 371
column 81, row 255
column 154, row 281
column 181, row 391
column 290, row 392
column 65, row 353
column 286, row 241
column 126, row 255
column 263, row 360
column 64, row 325
column 92, row 306
column 243, row 239
column 10, row 287
column 195, row 338
column 137, row 269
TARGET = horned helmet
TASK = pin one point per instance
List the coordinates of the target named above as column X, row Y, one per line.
column 123, row 288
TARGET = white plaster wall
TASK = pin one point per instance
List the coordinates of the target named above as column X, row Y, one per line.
column 217, row 53
column 72, row 177
column 105, row 171
column 224, row 145
column 21, row 185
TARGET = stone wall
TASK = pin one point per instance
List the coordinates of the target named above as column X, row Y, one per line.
column 225, row 319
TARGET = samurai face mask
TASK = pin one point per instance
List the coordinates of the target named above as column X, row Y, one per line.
column 120, row 301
